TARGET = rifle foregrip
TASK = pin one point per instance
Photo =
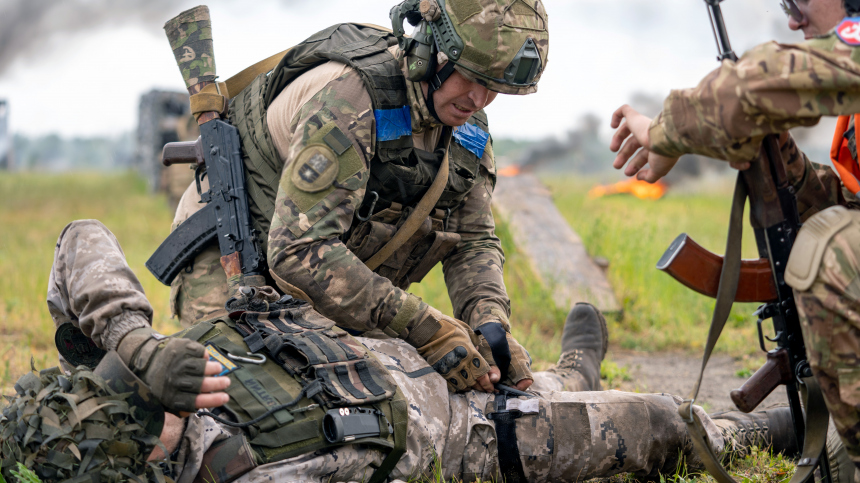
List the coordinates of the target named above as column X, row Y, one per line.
column 699, row 269
column 190, row 36
column 186, row 152
column 772, row 374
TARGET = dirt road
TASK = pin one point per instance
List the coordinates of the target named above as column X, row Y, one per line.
column 675, row 373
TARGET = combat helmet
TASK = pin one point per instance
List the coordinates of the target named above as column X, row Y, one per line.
column 84, row 426
column 500, row 44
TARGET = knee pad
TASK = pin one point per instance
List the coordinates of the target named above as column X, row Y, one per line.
column 811, row 244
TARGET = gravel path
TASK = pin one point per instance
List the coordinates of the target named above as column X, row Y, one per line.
column 676, row 373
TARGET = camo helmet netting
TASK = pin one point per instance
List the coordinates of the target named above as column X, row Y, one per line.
column 64, row 427
column 493, row 33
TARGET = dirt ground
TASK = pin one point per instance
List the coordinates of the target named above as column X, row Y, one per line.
column 675, row 373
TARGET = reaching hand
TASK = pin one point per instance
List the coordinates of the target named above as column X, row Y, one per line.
column 635, row 131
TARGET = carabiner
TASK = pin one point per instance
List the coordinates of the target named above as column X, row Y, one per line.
column 260, row 358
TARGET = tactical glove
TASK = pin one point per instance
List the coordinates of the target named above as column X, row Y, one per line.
column 172, row 368
column 500, row 349
column 452, row 352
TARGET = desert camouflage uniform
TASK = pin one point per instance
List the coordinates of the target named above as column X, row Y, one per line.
column 572, row 435
column 772, row 88
column 305, row 246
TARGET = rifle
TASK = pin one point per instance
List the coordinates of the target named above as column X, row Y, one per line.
column 775, row 221
column 217, row 153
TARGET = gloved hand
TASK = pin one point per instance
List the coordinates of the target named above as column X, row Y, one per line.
column 452, row 352
column 172, row 368
column 499, row 348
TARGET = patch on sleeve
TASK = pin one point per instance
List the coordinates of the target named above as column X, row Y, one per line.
column 473, row 138
column 848, row 31
column 392, row 124
column 316, row 168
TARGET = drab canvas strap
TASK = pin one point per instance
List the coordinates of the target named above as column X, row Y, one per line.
column 215, row 97
column 816, row 411
column 400, row 421
column 421, row 212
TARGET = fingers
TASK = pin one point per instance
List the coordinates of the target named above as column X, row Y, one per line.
column 637, row 163
column 214, row 384
column 524, row 384
column 213, row 400
column 495, row 374
column 629, row 149
column 483, row 383
column 618, row 138
column 620, row 114
column 213, row 368
column 740, row 165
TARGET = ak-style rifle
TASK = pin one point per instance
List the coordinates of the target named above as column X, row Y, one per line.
column 775, row 221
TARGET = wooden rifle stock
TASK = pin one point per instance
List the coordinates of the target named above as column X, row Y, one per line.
column 775, row 372
column 185, row 152
column 699, row 269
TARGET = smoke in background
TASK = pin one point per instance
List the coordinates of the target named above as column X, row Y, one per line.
column 26, row 26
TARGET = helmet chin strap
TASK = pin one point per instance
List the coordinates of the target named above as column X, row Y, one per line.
column 433, row 85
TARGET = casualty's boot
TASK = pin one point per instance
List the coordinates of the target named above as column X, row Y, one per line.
column 583, row 346
column 772, row 428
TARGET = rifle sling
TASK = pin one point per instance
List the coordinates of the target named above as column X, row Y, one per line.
column 421, row 212
column 817, row 417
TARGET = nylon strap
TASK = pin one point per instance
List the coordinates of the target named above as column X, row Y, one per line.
column 816, row 411
column 497, row 338
column 510, row 464
column 399, row 421
column 421, row 212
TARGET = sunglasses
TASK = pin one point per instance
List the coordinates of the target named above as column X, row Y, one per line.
column 791, row 10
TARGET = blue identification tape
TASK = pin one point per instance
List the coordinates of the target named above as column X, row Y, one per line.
column 216, row 355
column 473, row 138
column 392, row 124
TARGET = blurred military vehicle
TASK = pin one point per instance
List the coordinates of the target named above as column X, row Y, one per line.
column 5, row 140
column 164, row 117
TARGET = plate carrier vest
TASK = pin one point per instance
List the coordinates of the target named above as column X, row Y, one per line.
column 400, row 174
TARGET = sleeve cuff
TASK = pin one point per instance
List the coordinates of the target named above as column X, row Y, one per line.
column 660, row 142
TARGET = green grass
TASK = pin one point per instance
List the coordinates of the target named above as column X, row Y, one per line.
column 659, row 313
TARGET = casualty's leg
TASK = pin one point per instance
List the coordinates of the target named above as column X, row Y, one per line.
column 583, row 345
column 92, row 286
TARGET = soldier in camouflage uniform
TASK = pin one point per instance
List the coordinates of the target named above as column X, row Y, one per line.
column 561, row 435
column 338, row 155
column 770, row 89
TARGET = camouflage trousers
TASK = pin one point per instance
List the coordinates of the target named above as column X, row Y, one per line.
column 830, row 319
column 563, row 435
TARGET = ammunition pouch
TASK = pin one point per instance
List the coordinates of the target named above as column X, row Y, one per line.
column 413, row 261
column 289, row 368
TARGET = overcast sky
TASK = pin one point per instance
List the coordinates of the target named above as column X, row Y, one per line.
column 77, row 67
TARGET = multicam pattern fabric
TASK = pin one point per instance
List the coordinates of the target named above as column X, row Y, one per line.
column 493, row 32
column 772, row 88
column 830, row 319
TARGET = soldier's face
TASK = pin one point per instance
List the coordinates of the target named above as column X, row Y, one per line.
column 814, row 17
column 459, row 98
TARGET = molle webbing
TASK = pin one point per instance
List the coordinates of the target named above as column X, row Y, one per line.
column 310, row 366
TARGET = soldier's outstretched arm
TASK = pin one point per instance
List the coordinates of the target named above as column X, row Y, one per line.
column 771, row 89
column 91, row 286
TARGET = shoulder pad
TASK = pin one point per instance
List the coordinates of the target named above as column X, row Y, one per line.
column 811, row 242
column 473, row 138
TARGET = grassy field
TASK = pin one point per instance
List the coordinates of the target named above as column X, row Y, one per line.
column 659, row 314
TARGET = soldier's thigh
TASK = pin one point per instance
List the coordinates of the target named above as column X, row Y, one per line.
column 201, row 293
column 830, row 320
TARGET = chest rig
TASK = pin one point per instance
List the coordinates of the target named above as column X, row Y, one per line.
column 298, row 384
column 400, row 174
